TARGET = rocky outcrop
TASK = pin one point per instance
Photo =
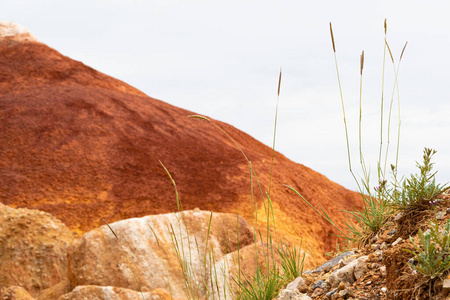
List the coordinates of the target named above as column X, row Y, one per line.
column 84, row 146
column 385, row 267
column 33, row 249
column 138, row 253
column 154, row 255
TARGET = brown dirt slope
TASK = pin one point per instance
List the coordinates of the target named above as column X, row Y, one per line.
column 84, row 146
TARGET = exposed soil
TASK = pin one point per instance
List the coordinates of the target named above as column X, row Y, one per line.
column 84, row 146
column 388, row 271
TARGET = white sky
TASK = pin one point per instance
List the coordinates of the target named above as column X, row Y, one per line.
column 222, row 58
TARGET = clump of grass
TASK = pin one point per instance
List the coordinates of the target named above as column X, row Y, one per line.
column 261, row 286
column 195, row 286
column 364, row 224
column 361, row 225
column 292, row 261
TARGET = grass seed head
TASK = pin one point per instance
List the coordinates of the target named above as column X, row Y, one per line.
column 362, row 62
column 198, row 117
column 332, row 38
column 401, row 55
column 279, row 83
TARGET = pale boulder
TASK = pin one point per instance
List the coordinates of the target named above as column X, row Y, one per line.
column 142, row 248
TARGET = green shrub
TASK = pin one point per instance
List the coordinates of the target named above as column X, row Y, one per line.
column 433, row 252
column 416, row 192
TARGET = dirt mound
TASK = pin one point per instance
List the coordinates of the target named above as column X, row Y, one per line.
column 84, row 146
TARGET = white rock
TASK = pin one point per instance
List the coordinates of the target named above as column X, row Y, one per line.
column 296, row 284
column 17, row 32
column 397, row 241
column 360, row 267
column 347, row 273
column 383, row 270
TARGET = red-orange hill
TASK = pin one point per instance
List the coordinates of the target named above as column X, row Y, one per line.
column 84, row 146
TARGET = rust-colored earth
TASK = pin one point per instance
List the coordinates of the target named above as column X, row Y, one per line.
column 84, row 146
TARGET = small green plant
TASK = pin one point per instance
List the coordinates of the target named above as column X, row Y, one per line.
column 292, row 261
column 416, row 192
column 364, row 224
column 260, row 286
column 432, row 254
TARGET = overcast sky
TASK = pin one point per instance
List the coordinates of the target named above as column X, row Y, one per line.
column 222, row 58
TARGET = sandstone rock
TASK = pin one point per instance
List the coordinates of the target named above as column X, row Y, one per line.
column 33, row 249
column 143, row 251
column 14, row 293
column 113, row 293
